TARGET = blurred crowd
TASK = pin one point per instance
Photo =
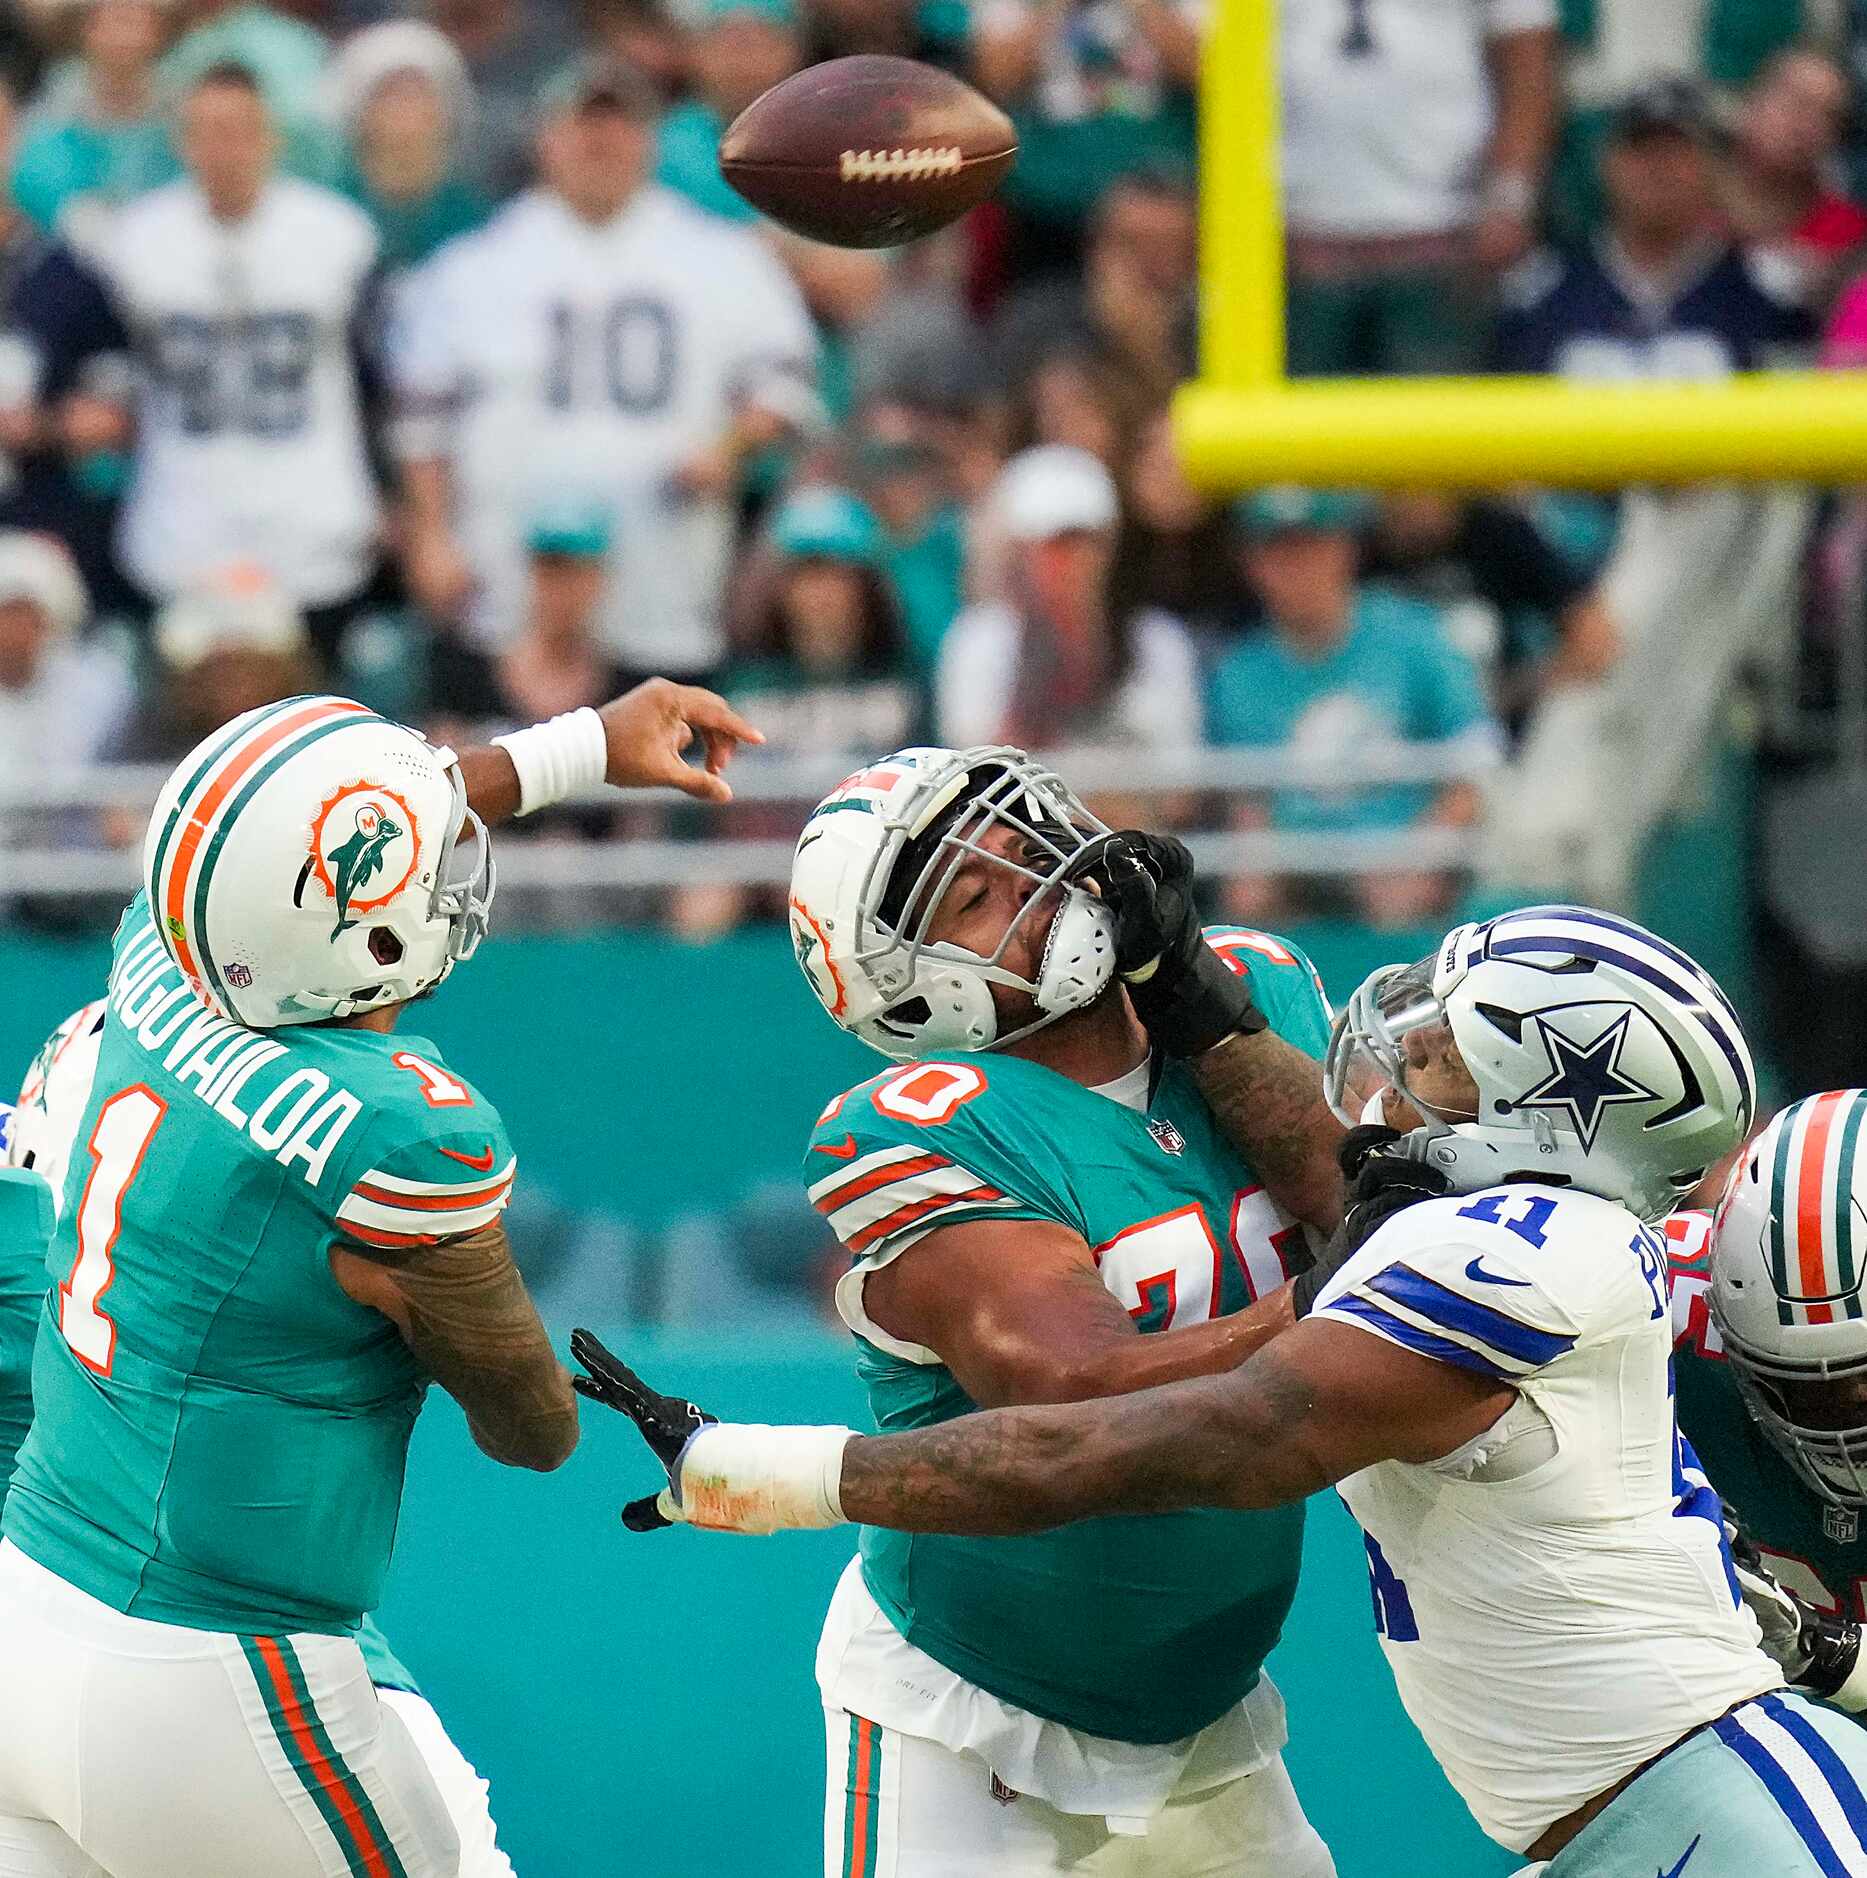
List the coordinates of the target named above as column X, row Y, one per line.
column 420, row 352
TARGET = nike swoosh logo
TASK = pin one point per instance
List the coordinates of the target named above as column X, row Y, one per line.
column 1479, row 1276
column 1683, row 1856
column 480, row 1163
column 844, row 1150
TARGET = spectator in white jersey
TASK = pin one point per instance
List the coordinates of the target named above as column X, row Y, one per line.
column 248, row 303
column 600, row 338
column 1416, row 135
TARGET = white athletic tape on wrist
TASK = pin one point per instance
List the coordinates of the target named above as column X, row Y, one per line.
column 750, row 1477
column 557, row 758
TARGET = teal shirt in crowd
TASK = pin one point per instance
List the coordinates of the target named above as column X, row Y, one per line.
column 411, row 231
column 687, row 159
column 1395, row 676
column 66, row 155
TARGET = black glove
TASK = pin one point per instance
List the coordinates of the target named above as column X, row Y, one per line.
column 665, row 1422
column 1185, row 995
column 1816, row 1650
column 1381, row 1183
column 1832, row 1644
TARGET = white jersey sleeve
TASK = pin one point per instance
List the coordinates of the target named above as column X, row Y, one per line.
column 1504, row 1283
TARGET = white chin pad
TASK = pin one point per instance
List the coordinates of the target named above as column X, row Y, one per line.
column 1079, row 954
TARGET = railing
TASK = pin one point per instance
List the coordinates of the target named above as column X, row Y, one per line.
column 33, row 863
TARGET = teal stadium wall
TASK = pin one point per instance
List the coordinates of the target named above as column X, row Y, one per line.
column 645, row 1706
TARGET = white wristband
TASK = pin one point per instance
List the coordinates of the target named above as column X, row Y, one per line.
column 557, row 758
column 749, row 1477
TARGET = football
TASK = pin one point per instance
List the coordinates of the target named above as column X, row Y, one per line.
column 868, row 151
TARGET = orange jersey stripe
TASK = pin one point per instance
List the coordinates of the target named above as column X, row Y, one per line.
column 326, row 1775
column 244, row 760
column 1809, row 1210
column 917, row 1210
column 371, row 1235
column 463, row 1201
column 880, row 1177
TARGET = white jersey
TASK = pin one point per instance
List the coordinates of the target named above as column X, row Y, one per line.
column 1557, row 1599
column 1388, row 110
column 546, row 358
column 250, row 439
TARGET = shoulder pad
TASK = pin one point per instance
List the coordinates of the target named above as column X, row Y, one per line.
column 1287, row 986
column 931, row 1139
column 435, row 1163
column 1503, row 1282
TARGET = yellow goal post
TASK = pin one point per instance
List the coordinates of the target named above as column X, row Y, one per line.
column 1243, row 423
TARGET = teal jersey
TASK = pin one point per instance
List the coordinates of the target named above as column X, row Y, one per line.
column 1815, row 1549
column 1142, row 1630
column 25, row 1232
column 220, row 1432
column 26, row 1223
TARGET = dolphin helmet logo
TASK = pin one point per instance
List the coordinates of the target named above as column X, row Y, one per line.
column 364, row 850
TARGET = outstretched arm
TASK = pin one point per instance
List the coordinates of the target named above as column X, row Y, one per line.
column 646, row 734
column 1320, row 1402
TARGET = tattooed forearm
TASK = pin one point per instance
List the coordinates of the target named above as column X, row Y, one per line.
column 1267, row 1097
column 1246, row 1439
column 463, row 1310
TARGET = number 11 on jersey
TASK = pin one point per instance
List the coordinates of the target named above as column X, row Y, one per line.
column 126, row 1125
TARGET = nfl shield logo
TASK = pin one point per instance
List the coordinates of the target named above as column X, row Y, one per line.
column 1169, row 1137
column 1841, row 1523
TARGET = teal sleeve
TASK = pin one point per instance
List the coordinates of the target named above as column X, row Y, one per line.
column 938, row 1143
column 1286, row 985
column 25, row 1232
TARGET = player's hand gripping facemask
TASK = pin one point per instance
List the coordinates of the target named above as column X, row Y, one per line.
column 1183, row 992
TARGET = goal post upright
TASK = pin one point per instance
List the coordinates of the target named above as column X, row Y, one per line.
column 1243, row 423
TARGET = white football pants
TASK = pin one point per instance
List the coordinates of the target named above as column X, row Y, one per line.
column 898, row 1806
column 132, row 1749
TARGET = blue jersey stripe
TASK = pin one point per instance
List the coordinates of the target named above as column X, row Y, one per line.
column 1452, row 1310
column 1781, row 1787
column 1820, row 1750
column 1440, row 1349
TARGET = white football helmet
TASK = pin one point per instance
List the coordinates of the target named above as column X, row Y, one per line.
column 54, row 1096
column 1603, row 1057
column 873, row 863
column 1789, row 1254
column 312, row 859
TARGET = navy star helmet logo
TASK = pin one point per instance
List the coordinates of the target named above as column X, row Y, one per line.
column 1586, row 1079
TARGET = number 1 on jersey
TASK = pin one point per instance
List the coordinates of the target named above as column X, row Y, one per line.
column 126, row 1125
